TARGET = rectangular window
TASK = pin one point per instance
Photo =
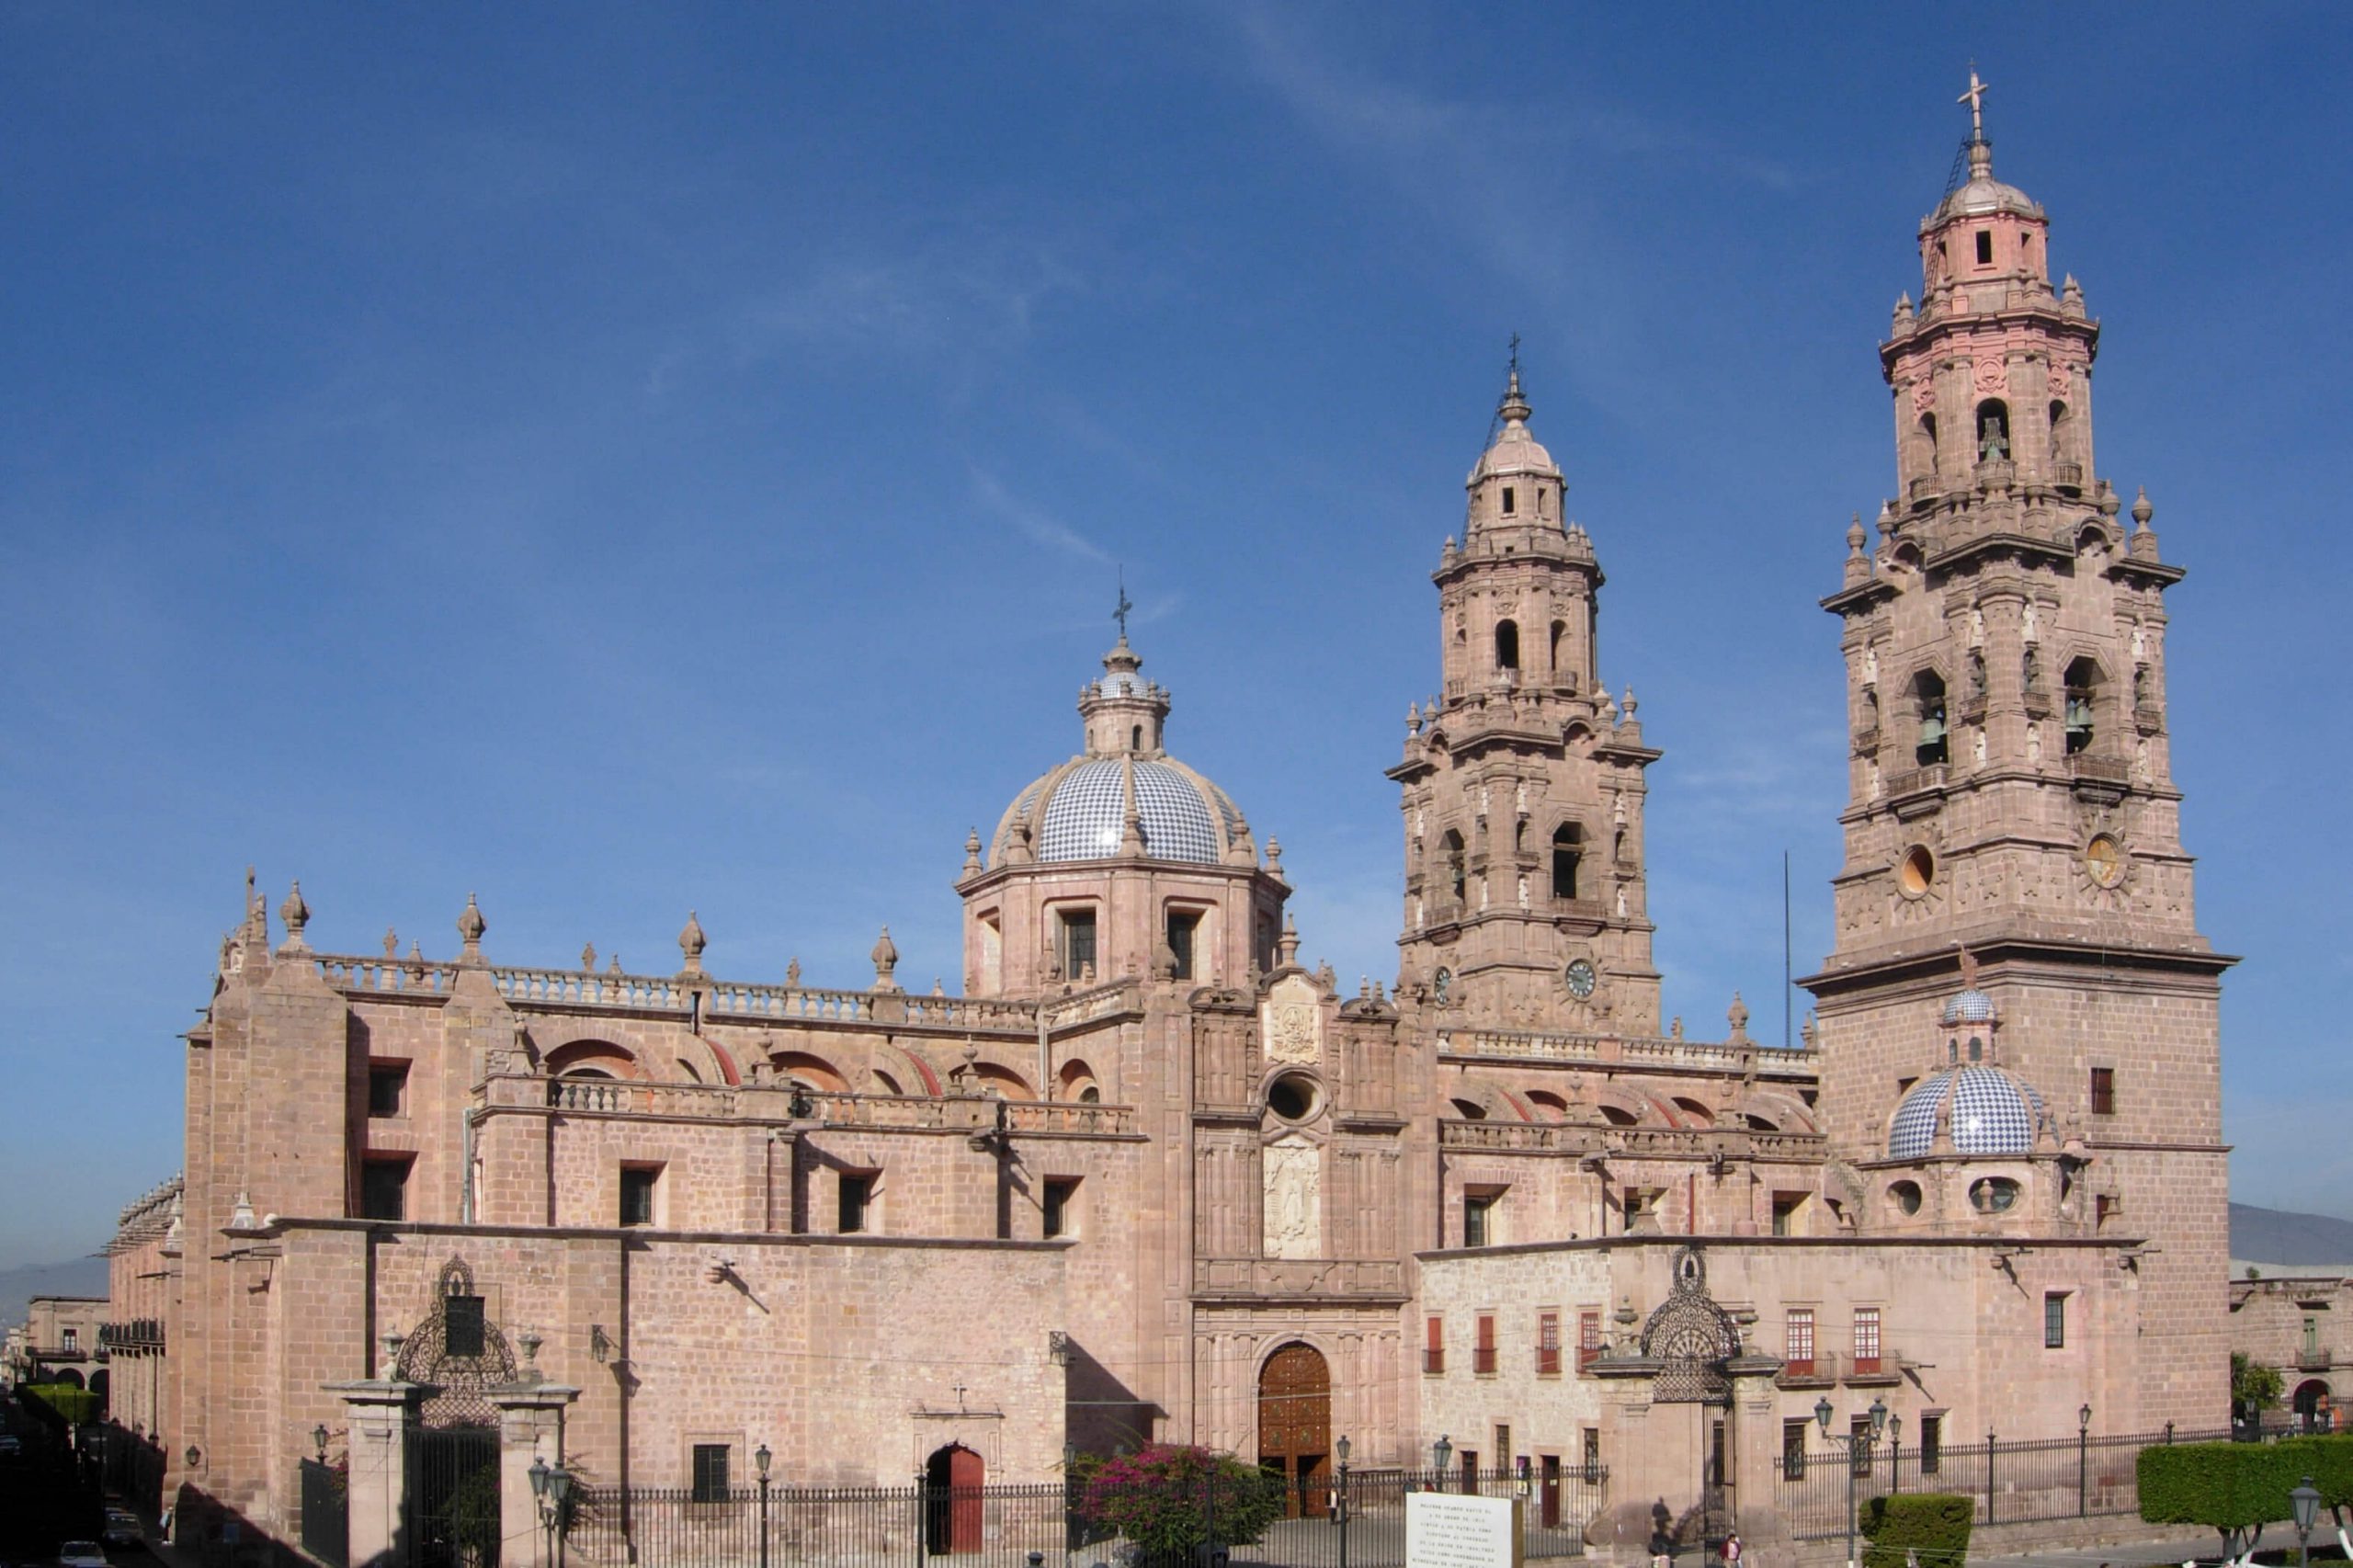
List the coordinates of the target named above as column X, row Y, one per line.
column 383, row 1189
column 1592, row 1453
column 1548, row 1345
column 1859, row 1445
column 1589, row 1339
column 1062, row 1193
column 73, row 1338
column 387, row 1088
column 1477, row 1210
column 1787, row 1208
column 1483, row 1356
column 637, row 1193
column 1797, row 1343
column 1866, row 1341
column 1470, row 1463
column 2054, row 1320
column 1183, row 925
column 1503, row 1448
column 710, row 1472
column 1932, row 1443
column 1510, row 500
column 1434, row 1347
column 1985, row 247
column 2103, row 1091
column 855, row 1197
column 1793, row 1449
column 462, row 1325
column 2103, row 1208
column 1078, row 942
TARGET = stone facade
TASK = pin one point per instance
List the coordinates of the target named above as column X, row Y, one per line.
column 2296, row 1323
column 1149, row 1166
column 59, row 1341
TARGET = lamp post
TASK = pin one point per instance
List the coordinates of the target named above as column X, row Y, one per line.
column 2304, row 1501
column 760, row 1456
column 1340, row 1509
column 2083, row 1453
column 319, row 1437
column 538, row 1474
column 552, row 1484
column 1868, row 1438
column 1440, row 1452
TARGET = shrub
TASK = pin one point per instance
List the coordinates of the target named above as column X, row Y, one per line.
column 1934, row 1525
column 70, row 1406
column 2238, row 1488
column 1161, row 1499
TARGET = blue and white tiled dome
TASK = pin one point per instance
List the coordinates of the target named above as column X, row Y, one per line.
column 1991, row 1111
column 1079, row 813
column 1970, row 1006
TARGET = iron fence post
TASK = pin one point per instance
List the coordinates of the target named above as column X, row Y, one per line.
column 1989, row 1475
column 2083, row 1453
column 764, row 1518
column 923, row 1515
column 1344, row 1514
column 1851, row 1440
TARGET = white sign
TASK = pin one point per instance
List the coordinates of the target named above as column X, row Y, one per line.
column 1445, row 1531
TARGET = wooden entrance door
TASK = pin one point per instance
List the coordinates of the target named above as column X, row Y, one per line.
column 1295, row 1427
column 954, row 1507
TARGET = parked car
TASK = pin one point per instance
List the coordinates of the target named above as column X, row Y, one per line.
column 10, row 1444
column 122, row 1527
column 81, row 1554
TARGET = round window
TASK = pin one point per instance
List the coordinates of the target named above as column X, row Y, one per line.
column 1905, row 1196
column 1292, row 1097
column 1917, row 873
column 1992, row 1195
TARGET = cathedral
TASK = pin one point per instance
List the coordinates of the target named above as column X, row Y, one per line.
column 1147, row 1177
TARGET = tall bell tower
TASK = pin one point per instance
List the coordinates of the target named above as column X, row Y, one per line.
column 1522, row 784
column 2011, row 793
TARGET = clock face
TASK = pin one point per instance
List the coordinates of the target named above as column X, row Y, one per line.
column 1581, row 978
column 2104, row 858
column 1442, row 985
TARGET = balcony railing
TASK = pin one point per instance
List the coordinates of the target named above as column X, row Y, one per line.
column 2314, row 1358
column 1808, row 1372
column 1887, row 1367
column 2067, row 475
column 1548, row 1361
column 1433, row 1360
column 2100, row 770
column 1483, row 1360
column 138, row 1333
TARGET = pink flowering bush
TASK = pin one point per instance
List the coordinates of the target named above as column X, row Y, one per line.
column 1164, row 1500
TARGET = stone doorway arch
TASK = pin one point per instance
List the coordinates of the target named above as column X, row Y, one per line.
column 955, row 1514
column 1690, row 1343
column 1295, row 1427
column 2312, row 1405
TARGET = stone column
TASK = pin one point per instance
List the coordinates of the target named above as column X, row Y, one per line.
column 531, row 1426
column 1757, row 1442
column 380, row 1413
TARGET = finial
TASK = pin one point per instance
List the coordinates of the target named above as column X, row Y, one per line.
column 392, row 943
column 1737, row 1016
column 1968, row 968
column 2142, row 511
column 588, row 957
column 241, row 1218
column 1120, row 614
column 1514, row 408
column 1903, row 309
column 792, row 972
column 973, row 852
column 613, row 966
column 691, row 943
column 1274, row 856
column 886, row 959
column 471, row 925
column 939, row 986
column 1675, row 1031
column 1629, row 704
column 1809, row 1031
column 296, row 915
column 416, row 960
column 1975, row 100
column 1286, row 945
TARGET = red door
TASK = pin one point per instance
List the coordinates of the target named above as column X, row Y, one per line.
column 955, row 1510
column 1295, row 1427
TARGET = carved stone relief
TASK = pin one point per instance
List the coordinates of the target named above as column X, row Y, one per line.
column 1294, row 1208
column 1290, row 1022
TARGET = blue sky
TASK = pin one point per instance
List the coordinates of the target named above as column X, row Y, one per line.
column 624, row 460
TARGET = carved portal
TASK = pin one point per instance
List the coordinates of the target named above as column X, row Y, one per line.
column 1291, row 1021
column 1294, row 1193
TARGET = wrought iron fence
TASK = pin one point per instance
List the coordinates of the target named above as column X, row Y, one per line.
column 2011, row 1481
column 1330, row 1521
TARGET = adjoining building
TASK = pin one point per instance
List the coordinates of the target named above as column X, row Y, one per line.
column 1149, row 1178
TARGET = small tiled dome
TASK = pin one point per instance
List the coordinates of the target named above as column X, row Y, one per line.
column 1970, row 1006
column 1990, row 1111
column 1079, row 811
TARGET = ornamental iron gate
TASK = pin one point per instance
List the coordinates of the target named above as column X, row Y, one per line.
column 457, row 1355
column 1692, row 1341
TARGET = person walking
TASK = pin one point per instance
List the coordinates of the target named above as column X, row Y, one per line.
column 1732, row 1549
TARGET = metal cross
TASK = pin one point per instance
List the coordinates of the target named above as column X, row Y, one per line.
column 1975, row 100
column 960, row 1395
column 1120, row 614
column 1515, row 352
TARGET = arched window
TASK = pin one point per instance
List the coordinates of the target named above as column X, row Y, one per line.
column 1456, row 871
column 1928, row 453
column 1135, row 737
column 2083, row 685
column 2062, row 433
column 1929, row 690
column 1568, row 849
column 1508, row 645
column 1561, row 674
column 1977, row 674
column 1992, row 431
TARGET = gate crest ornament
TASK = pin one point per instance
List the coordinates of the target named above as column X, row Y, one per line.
column 457, row 1353
column 1691, row 1339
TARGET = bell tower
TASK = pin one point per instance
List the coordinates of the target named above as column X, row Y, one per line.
column 2010, row 790
column 1522, row 784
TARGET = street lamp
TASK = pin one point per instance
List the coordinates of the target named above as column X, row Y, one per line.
column 1858, row 1442
column 319, row 1437
column 1442, row 1451
column 2082, row 1455
column 552, row 1484
column 2305, row 1503
column 1340, row 1509
column 760, row 1457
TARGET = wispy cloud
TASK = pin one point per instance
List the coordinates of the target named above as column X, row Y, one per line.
column 1032, row 520
column 968, row 290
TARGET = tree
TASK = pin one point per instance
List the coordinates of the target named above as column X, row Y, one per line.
column 1167, row 1500
column 2255, row 1388
column 2238, row 1488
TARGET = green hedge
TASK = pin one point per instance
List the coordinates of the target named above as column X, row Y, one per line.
column 69, row 1405
column 2236, row 1487
column 1934, row 1525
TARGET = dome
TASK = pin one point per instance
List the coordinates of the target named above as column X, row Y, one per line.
column 1991, row 1112
column 1514, row 449
column 1078, row 812
column 1982, row 195
column 1970, row 1006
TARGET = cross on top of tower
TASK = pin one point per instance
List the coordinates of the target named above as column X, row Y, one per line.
column 1125, row 605
column 1975, row 100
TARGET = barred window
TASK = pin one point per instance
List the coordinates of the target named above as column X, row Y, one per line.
column 1867, row 1340
column 1589, row 1339
column 1548, row 1343
column 710, row 1472
column 1796, row 1341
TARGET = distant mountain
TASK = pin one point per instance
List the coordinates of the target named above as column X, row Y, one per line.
column 77, row 1276
column 2279, row 1239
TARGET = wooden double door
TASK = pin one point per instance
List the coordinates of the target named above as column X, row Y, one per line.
column 1295, row 1428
